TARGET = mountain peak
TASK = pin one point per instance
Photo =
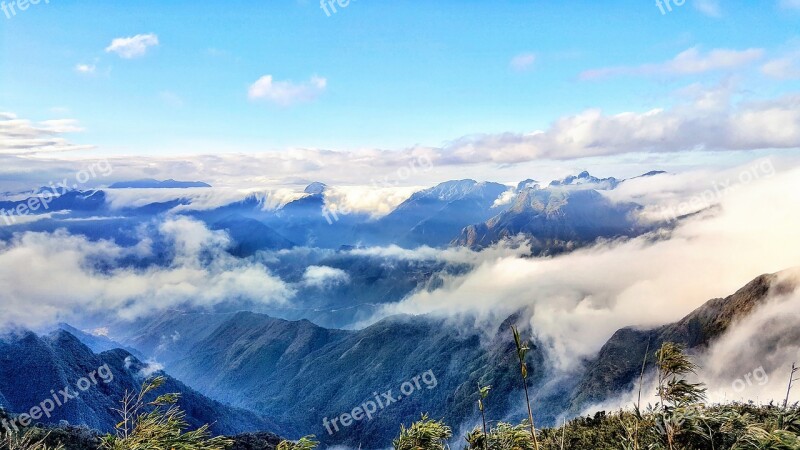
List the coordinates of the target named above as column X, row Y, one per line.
column 525, row 184
column 316, row 188
column 585, row 178
column 449, row 190
column 150, row 183
column 652, row 173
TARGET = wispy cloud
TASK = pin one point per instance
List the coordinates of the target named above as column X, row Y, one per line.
column 702, row 119
column 25, row 137
column 711, row 121
column 523, row 62
column 689, row 62
column 134, row 46
column 286, row 93
column 583, row 297
column 783, row 68
column 85, row 68
column 75, row 286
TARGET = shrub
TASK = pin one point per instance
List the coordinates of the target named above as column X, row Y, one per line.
column 305, row 443
column 425, row 434
column 148, row 425
column 25, row 440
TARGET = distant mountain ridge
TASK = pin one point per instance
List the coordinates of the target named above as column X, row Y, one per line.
column 98, row 344
column 433, row 216
column 619, row 362
column 300, row 372
column 585, row 179
column 458, row 212
column 32, row 367
column 297, row 372
column 555, row 220
column 150, row 183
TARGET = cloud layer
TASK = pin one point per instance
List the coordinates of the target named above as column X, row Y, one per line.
column 579, row 300
column 68, row 277
column 25, row 137
column 750, row 362
column 718, row 119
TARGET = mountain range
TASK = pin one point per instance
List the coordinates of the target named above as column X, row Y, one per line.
column 566, row 214
column 307, row 233
column 300, row 373
column 288, row 368
column 35, row 369
column 149, row 183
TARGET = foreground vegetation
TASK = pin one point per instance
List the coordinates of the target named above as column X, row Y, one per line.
column 680, row 420
column 158, row 424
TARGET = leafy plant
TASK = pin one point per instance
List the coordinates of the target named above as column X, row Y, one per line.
column 425, row 434
column 503, row 436
column 522, row 351
column 681, row 420
column 676, row 394
column 159, row 424
column 305, row 443
column 483, row 392
column 25, row 440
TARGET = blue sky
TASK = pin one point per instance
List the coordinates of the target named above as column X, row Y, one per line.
column 396, row 73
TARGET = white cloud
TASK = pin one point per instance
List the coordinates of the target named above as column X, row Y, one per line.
column 523, row 61
column 376, row 201
column 322, row 276
column 286, row 93
column 101, row 331
column 766, row 340
column 200, row 198
column 669, row 196
column 505, row 198
column 708, row 122
column 61, row 275
column 85, row 68
column 452, row 255
column 688, row 62
column 25, row 137
column 701, row 122
column 783, row 68
column 750, row 361
column 577, row 301
column 10, row 220
column 134, row 46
